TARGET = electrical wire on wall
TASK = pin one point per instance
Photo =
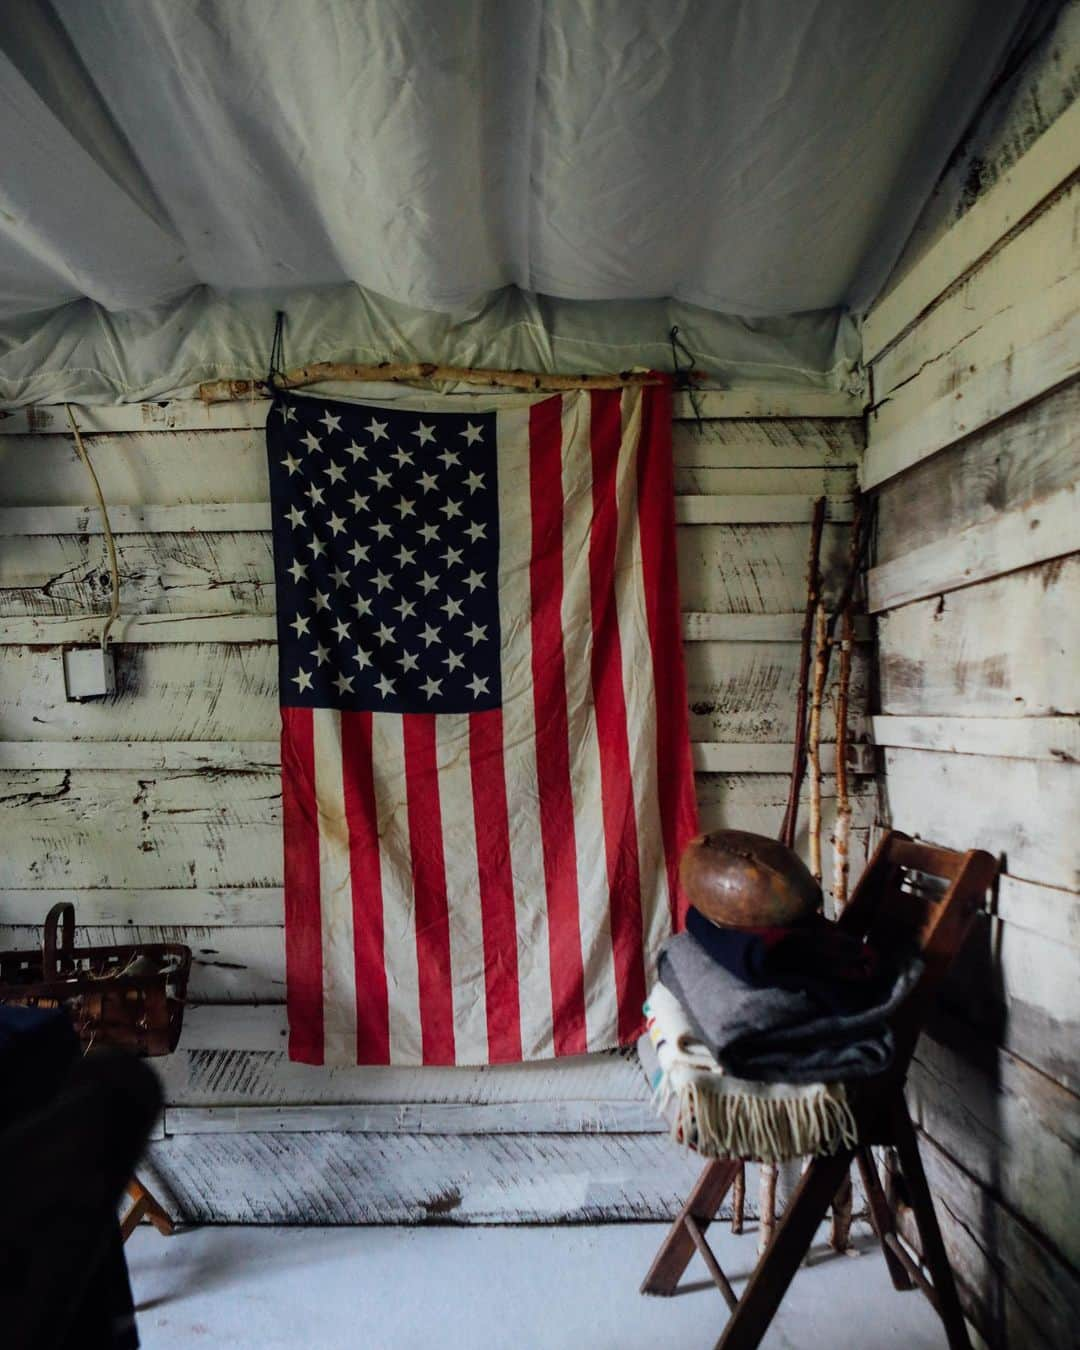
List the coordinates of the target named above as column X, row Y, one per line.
column 114, row 571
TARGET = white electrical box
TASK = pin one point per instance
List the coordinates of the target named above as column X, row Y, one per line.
column 88, row 673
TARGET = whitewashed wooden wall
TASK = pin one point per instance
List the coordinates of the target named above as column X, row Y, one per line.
column 973, row 455
column 158, row 810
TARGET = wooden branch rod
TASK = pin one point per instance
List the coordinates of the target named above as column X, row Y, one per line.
column 223, row 391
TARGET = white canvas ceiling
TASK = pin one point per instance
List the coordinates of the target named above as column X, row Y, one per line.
column 751, row 158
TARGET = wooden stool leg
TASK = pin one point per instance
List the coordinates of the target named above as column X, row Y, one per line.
column 781, row 1259
column 143, row 1201
column 933, row 1248
column 881, row 1217
column 679, row 1245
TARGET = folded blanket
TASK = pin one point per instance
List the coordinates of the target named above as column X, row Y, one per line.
column 842, row 973
column 725, row 1117
column 778, row 1035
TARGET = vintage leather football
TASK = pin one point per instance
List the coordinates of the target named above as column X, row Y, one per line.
column 743, row 880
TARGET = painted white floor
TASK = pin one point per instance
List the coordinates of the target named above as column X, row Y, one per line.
column 475, row 1288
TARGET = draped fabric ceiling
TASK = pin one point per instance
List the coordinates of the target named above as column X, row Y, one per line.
column 546, row 182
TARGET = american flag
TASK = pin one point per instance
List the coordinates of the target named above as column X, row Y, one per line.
column 485, row 769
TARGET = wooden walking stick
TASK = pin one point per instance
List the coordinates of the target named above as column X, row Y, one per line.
column 767, row 1202
column 840, row 1233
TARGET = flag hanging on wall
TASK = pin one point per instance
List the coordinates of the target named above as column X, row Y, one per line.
column 485, row 768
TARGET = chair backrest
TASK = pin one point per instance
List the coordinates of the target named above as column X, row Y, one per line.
column 916, row 895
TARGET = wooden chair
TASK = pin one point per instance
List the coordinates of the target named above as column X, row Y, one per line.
column 896, row 902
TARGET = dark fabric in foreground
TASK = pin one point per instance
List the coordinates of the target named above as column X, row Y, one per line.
column 779, row 1035
column 71, row 1132
column 841, row 973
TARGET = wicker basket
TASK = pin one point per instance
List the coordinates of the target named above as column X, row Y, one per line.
column 128, row 997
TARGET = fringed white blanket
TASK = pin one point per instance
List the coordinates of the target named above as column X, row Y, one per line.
column 725, row 1117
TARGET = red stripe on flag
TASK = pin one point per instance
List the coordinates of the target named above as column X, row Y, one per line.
column 372, row 1005
column 552, row 728
column 429, row 889
column 303, row 910
column 496, row 886
column 620, row 821
column 656, row 519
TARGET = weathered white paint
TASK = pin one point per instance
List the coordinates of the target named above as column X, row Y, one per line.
column 1015, row 1129
column 546, row 1117
column 233, row 907
column 1054, row 738
column 1048, row 910
column 1023, row 808
column 1027, row 455
column 1045, row 529
column 953, row 656
column 333, row 1178
column 1050, row 161
column 1040, row 342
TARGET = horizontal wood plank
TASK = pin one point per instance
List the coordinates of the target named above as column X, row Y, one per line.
column 1017, row 1131
column 1022, row 458
column 1054, row 738
column 1029, row 816
column 1049, row 528
column 564, row 1116
column 1010, row 1279
column 1032, row 347
column 336, row 1178
column 953, row 656
column 1049, row 162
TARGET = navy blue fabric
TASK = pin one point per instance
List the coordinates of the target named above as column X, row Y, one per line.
column 838, row 972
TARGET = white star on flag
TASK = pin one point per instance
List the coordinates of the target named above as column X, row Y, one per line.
column 312, row 441
column 330, row 422
column 377, row 430
column 472, row 434
column 425, row 433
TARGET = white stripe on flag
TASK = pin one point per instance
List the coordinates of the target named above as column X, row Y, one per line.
column 462, row 889
column 335, row 892
column 399, row 910
column 639, row 688
column 519, row 736
column 598, row 958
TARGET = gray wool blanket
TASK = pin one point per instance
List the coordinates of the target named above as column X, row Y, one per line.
column 777, row 1035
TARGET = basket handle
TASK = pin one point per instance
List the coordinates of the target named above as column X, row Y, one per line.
column 61, row 917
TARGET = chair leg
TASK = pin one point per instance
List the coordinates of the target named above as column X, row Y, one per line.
column 679, row 1246
column 881, row 1216
column 933, row 1248
column 143, row 1201
column 782, row 1257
